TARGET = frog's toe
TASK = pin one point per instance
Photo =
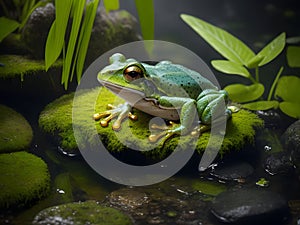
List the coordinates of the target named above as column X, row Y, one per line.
column 166, row 131
column 198, row 130
column 119, row 112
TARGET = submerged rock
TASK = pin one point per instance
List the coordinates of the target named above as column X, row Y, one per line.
column 278, row 162
column 15, row 132
column 81, row 213
column 159, row 204
column 251, row 206
column 24, row 178
column 230, row 171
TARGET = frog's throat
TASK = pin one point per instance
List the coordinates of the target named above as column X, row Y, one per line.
column 138, row 100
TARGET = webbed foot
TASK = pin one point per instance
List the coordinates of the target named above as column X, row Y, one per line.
column 168, row 131
column 120, row 112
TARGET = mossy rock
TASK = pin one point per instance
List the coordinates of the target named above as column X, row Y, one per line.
column 15, row 131
column 20, row 65
column 24, row 178
column 89, row 212
column 56, row 118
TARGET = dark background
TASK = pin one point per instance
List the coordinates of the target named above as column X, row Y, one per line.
column 255, row 22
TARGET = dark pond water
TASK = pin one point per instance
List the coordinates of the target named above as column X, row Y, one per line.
column 255, row 22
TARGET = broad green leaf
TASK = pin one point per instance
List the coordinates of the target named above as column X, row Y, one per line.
column 7, row 27
column 261, row 105
column 230, row 68
column 244, row 93
column 272, row 50
column 85, row 34
column 111, row 5
column 291, row 109
column 78, row 8
column 56, row 35
column 293, row 56
column 223, row 42
column 288, row 89
column 254, row 62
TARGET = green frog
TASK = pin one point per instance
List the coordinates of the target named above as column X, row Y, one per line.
column 167, row 90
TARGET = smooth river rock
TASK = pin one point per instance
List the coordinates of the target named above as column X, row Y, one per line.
column 251, row 206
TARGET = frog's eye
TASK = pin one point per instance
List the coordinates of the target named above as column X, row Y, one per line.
column 133, row 72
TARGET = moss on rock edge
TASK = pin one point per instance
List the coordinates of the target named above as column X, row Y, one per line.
column 19, row 65
column 57, row 118
column 81, row 213
column 15, row 131
column 24, row 178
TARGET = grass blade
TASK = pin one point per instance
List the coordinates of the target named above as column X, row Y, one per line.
column 111, row 5
column 145, row 11
column 223, row 42
column 38, row 4
column 56, row 35
column 84, row 37
column 77, row 17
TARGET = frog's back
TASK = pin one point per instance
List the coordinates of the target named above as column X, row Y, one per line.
column 177, row 80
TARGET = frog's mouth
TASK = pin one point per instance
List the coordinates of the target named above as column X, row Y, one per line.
column 138, row 100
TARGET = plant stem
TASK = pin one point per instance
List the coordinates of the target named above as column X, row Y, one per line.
column 252, row 79
column 274, row 83
column 257, row 74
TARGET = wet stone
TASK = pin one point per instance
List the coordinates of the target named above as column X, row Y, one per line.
column 159, row 204
column 232, row 171
column 271, row 118
column 81, row 213
column 128, row 198
column 251, row 206
column 36, row 30
column 291, row 141
column 278, row 163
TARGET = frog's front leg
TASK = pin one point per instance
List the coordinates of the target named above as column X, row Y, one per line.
column 120, row 112
column 187, row 117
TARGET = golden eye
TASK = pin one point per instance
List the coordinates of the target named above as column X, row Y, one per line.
column 133, row 72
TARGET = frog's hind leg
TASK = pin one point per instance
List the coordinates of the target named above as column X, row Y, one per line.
column 187, row 118
column 120, row 112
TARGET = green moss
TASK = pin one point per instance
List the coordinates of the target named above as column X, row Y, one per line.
column 209, row 187
column 89, row 212
column 15, row 131
column 24, row 178
column 57, row 118
column 18, row 66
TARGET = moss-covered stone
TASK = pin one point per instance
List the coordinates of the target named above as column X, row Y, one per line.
column 89, row 212
column 19, row 66
column 15, row 131
column 57, row 118
column 24, row 178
